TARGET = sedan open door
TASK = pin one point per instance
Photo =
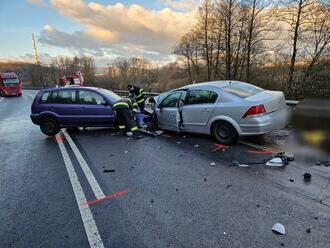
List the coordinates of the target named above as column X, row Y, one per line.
column 168, row 111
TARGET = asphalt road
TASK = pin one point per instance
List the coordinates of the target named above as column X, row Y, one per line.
column 159, row 192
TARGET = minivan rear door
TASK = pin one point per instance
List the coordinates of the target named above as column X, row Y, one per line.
column 64, row 106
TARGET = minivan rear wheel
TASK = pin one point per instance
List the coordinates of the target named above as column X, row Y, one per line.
column 49, row 127
column 224, row 132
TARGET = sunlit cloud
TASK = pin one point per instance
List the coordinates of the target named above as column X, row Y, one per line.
column 183, row 5
column 119, row 29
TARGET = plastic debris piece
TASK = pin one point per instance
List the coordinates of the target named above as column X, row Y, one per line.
column 212, row 164
column 308, row 230
column 307, row 176
column 196, row 146
column 278, row 228
column 125, row 151
column 228, row 186
column 243, row 165
column 235, row 162
column 275, row 162
column 205, row 179
column 291, row 180
column 108, row 170
column 257, row 205
column 178, row 142
column 323, row 163
column 285, row 158
column 224, row 233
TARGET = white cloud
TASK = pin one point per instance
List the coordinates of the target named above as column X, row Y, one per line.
column 119, row 29
column 37, row 2
column 184, row 5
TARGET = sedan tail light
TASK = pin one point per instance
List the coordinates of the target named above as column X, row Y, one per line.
column 255, row 111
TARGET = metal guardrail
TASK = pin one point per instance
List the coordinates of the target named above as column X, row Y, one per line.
column 291, row 103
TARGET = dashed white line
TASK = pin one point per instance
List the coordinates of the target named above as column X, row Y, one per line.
column 84, row 166
column 24, row 93
column 91, row 230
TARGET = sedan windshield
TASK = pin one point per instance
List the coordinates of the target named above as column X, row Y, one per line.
column 242, row 90
column 11, row 82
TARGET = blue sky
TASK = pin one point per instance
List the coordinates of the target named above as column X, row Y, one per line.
column 20, row 18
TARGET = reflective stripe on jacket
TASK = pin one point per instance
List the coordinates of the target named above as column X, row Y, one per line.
column 139, row 94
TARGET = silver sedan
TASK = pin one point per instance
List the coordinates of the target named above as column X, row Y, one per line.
column 223, row 109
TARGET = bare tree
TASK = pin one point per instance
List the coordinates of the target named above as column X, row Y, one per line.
column 296, row 14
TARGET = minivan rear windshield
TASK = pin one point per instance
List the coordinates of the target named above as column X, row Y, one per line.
column 242, row 90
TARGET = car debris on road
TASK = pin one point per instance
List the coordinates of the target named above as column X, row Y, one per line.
column 278, row 228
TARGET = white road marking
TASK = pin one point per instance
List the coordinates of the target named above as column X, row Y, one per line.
column 84, row 166
column 24, row 93
column 91, row 230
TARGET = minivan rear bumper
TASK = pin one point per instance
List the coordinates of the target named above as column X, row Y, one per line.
column 35, row 119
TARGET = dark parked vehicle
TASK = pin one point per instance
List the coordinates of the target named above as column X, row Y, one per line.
column 56, row 108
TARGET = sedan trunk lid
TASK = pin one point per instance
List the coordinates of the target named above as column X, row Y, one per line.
column 272, row 100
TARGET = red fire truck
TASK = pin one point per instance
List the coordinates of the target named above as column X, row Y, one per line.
column 10, row 84
column 75, row 80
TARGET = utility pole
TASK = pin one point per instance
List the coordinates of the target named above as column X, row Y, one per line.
column 36, row 59
column 37, row 62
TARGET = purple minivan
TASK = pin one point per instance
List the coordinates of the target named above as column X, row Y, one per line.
column 55, row 108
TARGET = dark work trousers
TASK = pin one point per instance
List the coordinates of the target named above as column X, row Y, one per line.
column 125, row 118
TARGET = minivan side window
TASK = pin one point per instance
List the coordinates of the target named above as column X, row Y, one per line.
column 89, row 97
column 45, row 97
column 171, row 101
column 64, row 97
column 201, row 97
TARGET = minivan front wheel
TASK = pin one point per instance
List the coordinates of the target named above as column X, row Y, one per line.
column 224, row 132
column 49, row 126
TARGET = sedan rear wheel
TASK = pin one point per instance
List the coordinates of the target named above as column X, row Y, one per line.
column 49, row 127
column 224, row 132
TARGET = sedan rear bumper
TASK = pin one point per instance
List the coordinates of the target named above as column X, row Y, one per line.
column 265, row 123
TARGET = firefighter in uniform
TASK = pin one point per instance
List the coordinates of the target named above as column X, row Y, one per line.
column 124, row 108
column 140, row 95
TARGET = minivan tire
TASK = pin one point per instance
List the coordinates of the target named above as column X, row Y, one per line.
column 49, row 126
column 224, row 132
